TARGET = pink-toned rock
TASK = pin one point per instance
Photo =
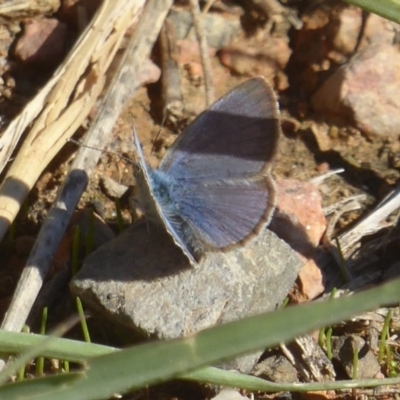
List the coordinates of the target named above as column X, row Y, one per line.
column 310, row 281
column 344, row 29
column 300, row 221
column 323, row 167
column 189, row 51
column 195, row 71
column 330, row 35
column 43, row 42
column 267, row 61
column 365, row 91
column 149, row 73
column 299, row 218
column 378, row 30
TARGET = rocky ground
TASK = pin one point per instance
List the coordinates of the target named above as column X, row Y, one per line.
column 335, row 70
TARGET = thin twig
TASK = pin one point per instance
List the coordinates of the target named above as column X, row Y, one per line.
column 123, row 85
column 207, row 6
column 60, row 108
column 372, row 222
column 205, row 59
column 171, row 82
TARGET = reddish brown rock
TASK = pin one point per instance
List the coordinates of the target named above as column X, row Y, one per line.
column 344, row 29
column 189, row 51
column 268, row 61
column 299, row 218
column 300, row 221
column 43, row 42
column 378, row 30
column 310, row 281
column 365, row 91
column 329, row 36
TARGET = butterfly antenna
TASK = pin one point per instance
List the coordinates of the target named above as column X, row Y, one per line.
column 78, row 143
column 155, row 141
column 159, row 131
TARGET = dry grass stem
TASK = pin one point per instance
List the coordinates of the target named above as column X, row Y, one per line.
column 123, row 85
column 205, row 59
column 61, row 106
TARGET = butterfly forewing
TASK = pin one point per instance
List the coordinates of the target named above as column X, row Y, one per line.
column 235, row 138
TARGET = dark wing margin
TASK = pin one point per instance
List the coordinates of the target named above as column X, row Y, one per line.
column 225, row 214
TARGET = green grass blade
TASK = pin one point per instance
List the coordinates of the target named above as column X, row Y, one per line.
column 82, row 319
column 40, row 360
column 72, row 350
column 137, row 367
column 389, row 9
column 75, row 250
column 384, row 336
column 33, row 352
column 34, row 388
column 215, row 376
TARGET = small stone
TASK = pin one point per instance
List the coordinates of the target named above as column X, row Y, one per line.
column 394, row 160
column 310, row 281
column 343, row 349
column 323, row 167
column 276, row 369
column 365, row 91
column 42, row 42
column 299, row 218
column 112, row 188
column 268, row 61
column 300, row 221
column 189, row 51
column 219, row 31
column 195, row 71
column 322, row 136
column 344, row 29
column 142, row 280
column 150, row 73
column 229, row 394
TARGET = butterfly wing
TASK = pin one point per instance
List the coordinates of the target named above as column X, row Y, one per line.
column 220, row 167
column 222, row 214
column 235, row 138
column 152, row 204
column 216, row 173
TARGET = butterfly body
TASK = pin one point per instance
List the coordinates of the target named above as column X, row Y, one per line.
column 213, row 189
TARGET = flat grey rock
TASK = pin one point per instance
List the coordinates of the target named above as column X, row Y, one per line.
column 142, row 281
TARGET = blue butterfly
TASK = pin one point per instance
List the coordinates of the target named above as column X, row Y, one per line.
column 213, row 190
